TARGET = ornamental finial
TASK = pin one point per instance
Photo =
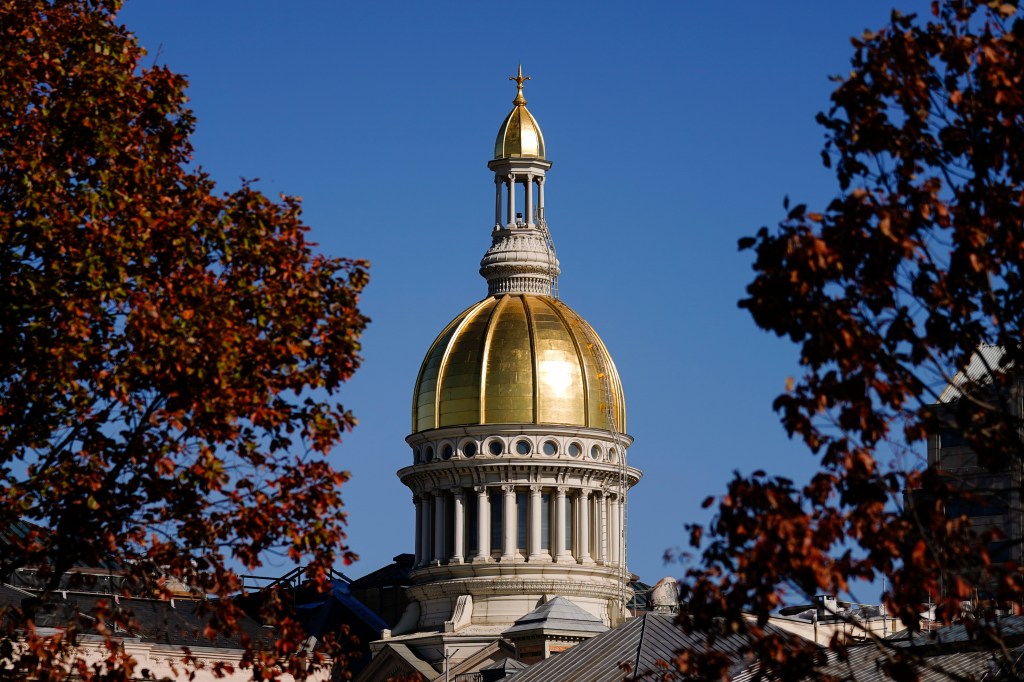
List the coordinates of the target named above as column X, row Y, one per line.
column 519, row 79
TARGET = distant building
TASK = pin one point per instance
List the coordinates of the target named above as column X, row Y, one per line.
column 161, row 629
column 158, row 631
column 993, row 483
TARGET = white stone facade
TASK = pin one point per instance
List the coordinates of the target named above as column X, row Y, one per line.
column 511, row 513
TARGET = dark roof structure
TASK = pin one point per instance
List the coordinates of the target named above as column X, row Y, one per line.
column 178, row 622
column 499, row 670
column 394, row 574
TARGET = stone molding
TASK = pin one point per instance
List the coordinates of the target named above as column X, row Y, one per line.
column 483, row 587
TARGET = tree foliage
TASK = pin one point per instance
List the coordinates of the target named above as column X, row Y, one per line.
column 169, row 355
column 888, row 291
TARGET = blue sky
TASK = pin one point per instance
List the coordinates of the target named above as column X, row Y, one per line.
column 675, row 128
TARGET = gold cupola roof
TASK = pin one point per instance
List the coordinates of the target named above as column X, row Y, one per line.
column 519, row 135
column 517, row 359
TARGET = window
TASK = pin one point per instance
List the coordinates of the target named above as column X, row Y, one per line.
column 469, row 448
column 521, row 521
column 495, row 521
column 550, row 447
column 447, row 452
column 595, row 452
column 569, row 502
column 575, row 449
column 523, row 447
column 951, row 438
column 978, row 505
column 449, row 529
column 495, row 447
column 545, row 521
column 472, row 524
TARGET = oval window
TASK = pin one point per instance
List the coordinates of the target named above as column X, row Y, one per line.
column 469, row 449
column 428, row 454
column 523, row 447
column 575, row 449
column 595, row 452
column 550, row 447
column 447, row 452
column 495, row 447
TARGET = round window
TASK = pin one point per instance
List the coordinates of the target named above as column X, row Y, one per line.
column 495, row 447
column 523, row 447
column 469, row 449
column 428, row 454
column 574, row 449
column 613, row 455
column 595, row 452
column 447, row 452
column 550, row 447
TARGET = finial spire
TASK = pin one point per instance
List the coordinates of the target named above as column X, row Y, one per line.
column 519, row 101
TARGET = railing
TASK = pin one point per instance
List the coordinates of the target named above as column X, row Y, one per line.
column 290, row 580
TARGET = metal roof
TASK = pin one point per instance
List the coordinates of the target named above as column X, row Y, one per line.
column 642, row 645
column 984, row 361
column 865, row 663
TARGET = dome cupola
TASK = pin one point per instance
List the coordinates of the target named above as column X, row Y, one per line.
column 519, row 135
column 518, row 359
column 520, row 356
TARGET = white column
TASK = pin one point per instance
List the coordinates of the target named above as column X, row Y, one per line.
column 497, row 200
column 601, row 518
column 459, row 529
column 529, row 199
column 483, row 526
column 511, row 199
column 583, row 534
column 535, row 509
column 614, row 529
column 559, row 552
column 439, row 527
column 419, row 527
column 508, row 537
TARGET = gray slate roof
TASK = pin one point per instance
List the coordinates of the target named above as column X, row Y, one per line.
column 558, row 615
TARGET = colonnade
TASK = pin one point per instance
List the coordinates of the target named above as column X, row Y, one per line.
column 510, row 523
column 508, row 183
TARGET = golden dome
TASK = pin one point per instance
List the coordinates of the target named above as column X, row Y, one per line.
column 516, row 359
column 519, row 135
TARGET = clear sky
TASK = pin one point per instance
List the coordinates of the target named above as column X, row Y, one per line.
column 675, row 128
